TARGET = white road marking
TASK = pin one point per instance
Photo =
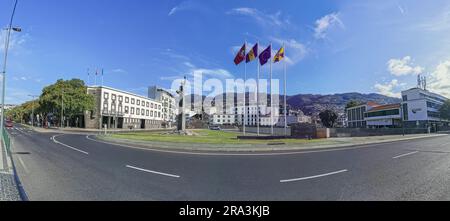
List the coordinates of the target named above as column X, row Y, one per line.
column 406, row 154
column 23, row 165
column 63, row 144
column 312, row 177
column 151, row 171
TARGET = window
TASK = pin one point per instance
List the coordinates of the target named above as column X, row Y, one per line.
column 147, row 113
column 151, row 113
column 143, row 103
column 113, row 97
column 159, row 114
column 120, row 98
column 137, row 111
column 151, row 105
column 105, row 106
column 138, row 102
column 105, row 95
column 405, row 112
column 132, row 110
column 159, row 107
column 147, row 104
column 433, row 114
column 127, row 100
column 126, row 109
column 132, row 100
column 405, row 97
column 384, row 113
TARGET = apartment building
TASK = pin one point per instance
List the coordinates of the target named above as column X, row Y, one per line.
column 169, row 105
column 120, row 109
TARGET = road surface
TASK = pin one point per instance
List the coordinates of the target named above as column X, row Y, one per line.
column 77, row 167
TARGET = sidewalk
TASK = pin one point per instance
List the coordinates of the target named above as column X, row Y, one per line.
column 8, row 187
column 73, row 130
column 329, row 143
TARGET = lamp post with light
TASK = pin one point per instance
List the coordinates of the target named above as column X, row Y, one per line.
column 8, row 35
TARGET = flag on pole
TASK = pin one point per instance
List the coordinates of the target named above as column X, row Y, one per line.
column 279, row 56
column 240, row 55
column 265, row 56
column 252, row 54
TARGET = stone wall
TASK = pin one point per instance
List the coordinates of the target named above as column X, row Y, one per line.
column 364, row 132
column 277, row 131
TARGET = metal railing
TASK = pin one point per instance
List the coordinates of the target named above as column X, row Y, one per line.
column 7, row 141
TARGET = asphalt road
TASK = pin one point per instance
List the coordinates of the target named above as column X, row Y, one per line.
column 73, row 167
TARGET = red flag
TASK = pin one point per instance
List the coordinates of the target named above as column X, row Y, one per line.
column 240, row 55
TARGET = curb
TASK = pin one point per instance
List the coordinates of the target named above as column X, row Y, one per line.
column 20, row 190
column 242, row 149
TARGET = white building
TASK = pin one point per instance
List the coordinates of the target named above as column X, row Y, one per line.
column 169, row 105
column 120, row 109
column 421, row 108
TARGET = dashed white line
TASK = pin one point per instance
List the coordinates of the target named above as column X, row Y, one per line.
column 25, row 168
column 312, row 177
column 151, row 171
column 406, row 154
column 63, row 144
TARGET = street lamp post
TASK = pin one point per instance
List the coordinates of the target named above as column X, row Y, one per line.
column 9, row 29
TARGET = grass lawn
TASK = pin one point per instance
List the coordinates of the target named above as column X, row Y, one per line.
column 202, row 136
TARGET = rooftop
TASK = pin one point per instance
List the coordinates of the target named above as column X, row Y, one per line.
column 385, row 107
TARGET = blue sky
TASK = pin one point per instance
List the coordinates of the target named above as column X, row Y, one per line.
column 332, row 46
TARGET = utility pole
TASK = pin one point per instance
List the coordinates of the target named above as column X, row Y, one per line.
column 62, row 107
column 8, row 35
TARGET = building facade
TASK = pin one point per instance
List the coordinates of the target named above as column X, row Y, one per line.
column 355, row 115
column 383, row 116
column 169, row 104
column 118, row 109
column 421, row 108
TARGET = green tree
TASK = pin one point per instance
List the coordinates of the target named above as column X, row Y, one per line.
column 71, row 94
column 352, row 103
column 445, row 110
column 328, row 118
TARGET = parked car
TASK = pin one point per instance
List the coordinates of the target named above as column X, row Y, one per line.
column 214, row 128
column 8, row 123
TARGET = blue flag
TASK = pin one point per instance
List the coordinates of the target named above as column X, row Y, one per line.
column 265, row 56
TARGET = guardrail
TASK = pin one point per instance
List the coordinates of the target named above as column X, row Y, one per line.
column 7, row 141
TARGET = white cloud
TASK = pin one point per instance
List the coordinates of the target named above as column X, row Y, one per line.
column 17, row 41
column 188, row 5
column 263, row 19
column 325, row 23
column 439, row 80
column 189, row 64
column 294, row 50
column 391, row 89
column 16, row 95
column 119, row 70
column 404, row 66
column 215, row 73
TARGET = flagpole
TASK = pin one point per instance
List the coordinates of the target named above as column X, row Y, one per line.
column 95, row 81
column 245, row 89
column 102, row 77
column 257, row 98
column 271, row 98
column 88, row 80
column 285, row 84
